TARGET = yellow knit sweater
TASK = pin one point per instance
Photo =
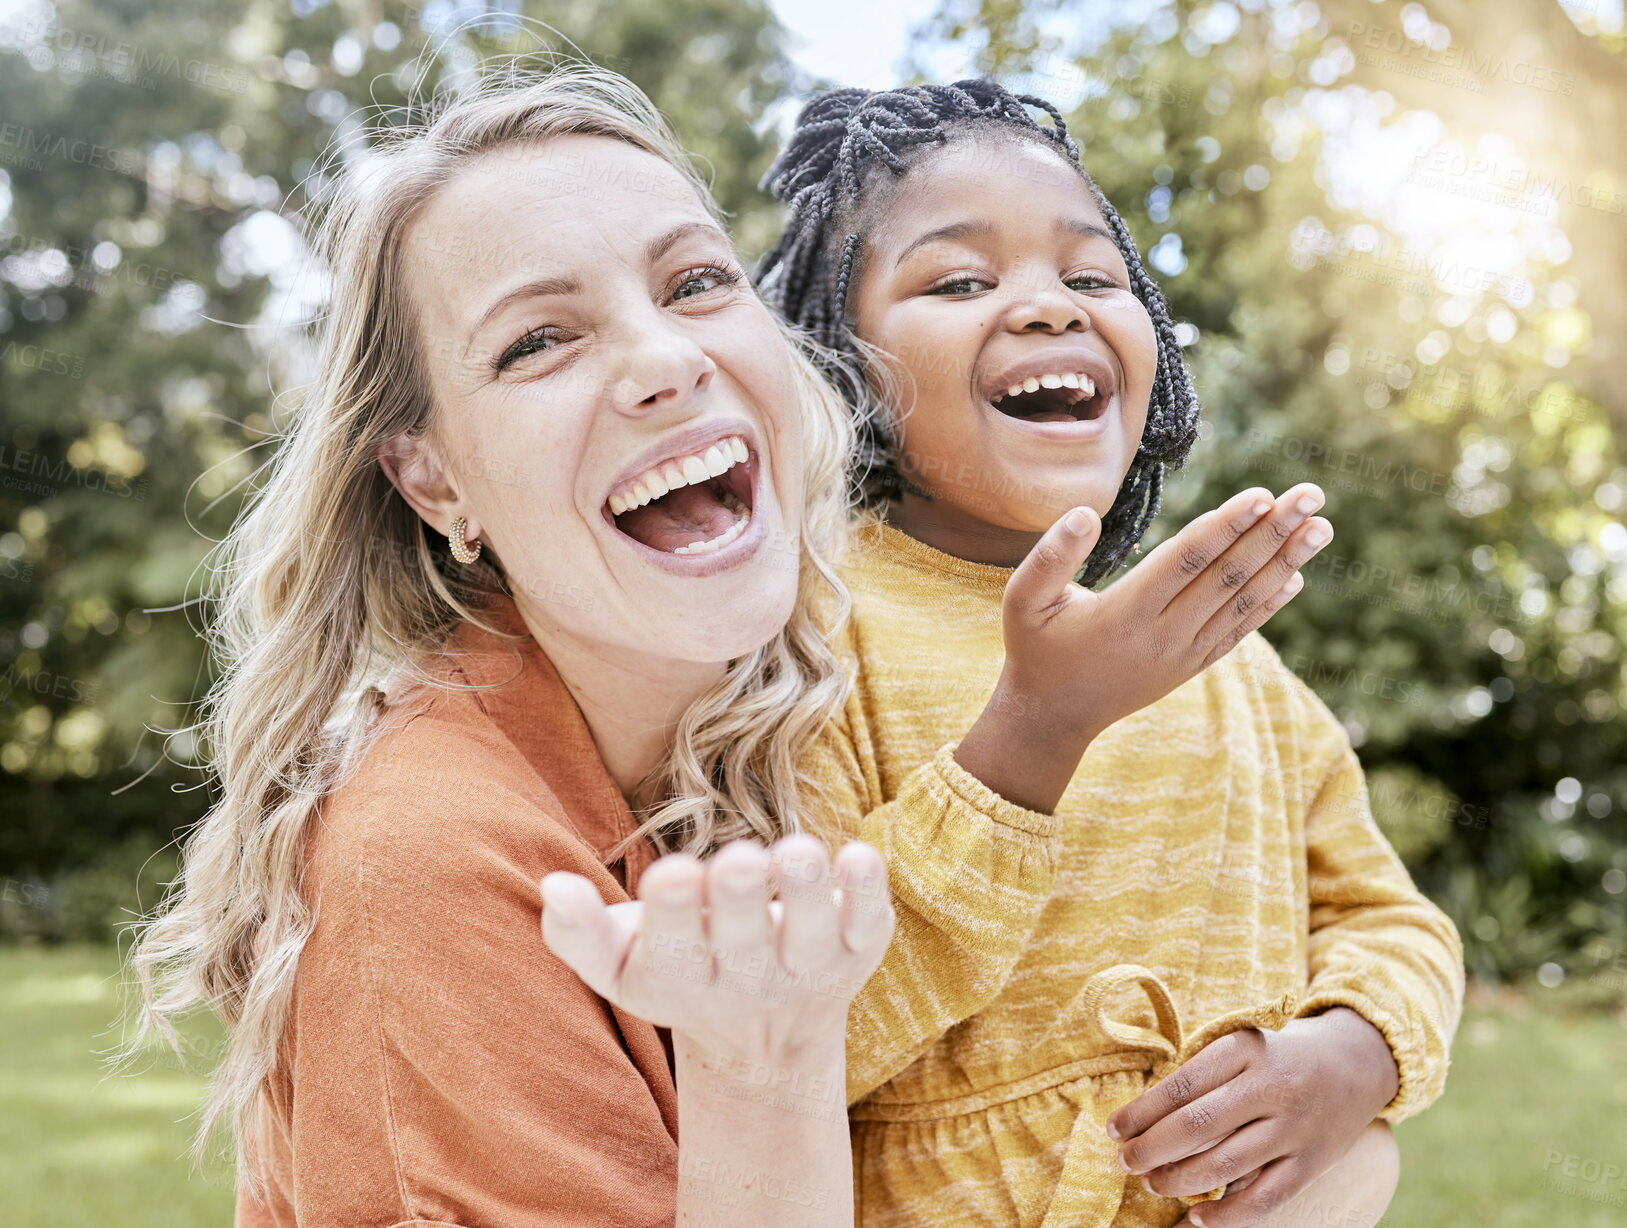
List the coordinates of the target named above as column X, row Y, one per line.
column 1213, row 865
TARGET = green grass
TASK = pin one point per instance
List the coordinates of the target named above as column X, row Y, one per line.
column 1533, row 1121
column 79, row 1146
column 1530, row 1095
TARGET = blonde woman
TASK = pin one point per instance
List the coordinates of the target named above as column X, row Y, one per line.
column 533, row 309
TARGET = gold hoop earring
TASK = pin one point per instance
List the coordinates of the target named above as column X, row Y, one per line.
column 461, row 550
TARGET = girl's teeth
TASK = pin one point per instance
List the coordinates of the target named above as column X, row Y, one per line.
column 657, row 484
column 1050, row 380
column 716, row 462
column 737, row 446
column 618, row 505
column 695, row 470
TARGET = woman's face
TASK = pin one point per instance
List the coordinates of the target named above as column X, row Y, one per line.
column 993, row 269
column 614, row 407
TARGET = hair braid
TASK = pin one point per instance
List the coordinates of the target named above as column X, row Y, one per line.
column 841, row 139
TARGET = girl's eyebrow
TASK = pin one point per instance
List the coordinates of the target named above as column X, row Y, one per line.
column 955, row 230
column 1089, row 230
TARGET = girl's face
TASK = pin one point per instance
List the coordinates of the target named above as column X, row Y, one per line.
column 1024, row 363
column 615, row 413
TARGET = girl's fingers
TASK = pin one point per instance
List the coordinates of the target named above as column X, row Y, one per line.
column 579, row 929
column 1041, row 580
column 1266, row 593
column 867, row 907
column 1267, row 1194
column 811, row 927
column 738, row 884
column 1173, row 565
column 672, row 942
column 1232, row 571
column 1213, row 1066
column 1238, row 1155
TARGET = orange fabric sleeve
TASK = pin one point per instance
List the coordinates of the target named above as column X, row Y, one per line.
column 449, row 1068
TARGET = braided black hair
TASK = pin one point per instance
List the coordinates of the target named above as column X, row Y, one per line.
column 840, row 140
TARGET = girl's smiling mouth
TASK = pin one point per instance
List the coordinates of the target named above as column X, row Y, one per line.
column 695, row 502
column 1059, row 390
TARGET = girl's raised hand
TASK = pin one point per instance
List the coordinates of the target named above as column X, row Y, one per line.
column 753, row 954
column 1076, row 661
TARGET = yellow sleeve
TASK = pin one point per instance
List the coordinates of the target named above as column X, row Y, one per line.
column 1377, row 944
column 969, row 873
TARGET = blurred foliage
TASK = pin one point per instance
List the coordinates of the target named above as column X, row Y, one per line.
column 1364, row 314
column 1427, row 351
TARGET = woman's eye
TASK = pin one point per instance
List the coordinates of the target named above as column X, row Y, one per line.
column 533, row 342
column 1092, row 281
column 962, row 284
column 701, row 281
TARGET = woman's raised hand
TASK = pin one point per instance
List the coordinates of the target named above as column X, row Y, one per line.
column 752, row 954
column 1077, row 661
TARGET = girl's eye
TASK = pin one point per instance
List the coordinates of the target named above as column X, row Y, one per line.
column 960, row 283
column 533, row 342
column 1092, row 281
column 702, row 281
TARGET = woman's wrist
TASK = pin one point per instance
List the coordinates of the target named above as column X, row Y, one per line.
column 809, row 1076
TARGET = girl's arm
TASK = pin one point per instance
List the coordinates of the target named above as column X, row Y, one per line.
column 1377, row 944
column 972, row 869
column 756, row 996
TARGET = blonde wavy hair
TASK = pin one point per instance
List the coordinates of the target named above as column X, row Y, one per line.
column 329, row 585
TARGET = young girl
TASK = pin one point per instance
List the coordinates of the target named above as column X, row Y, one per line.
column 1218, row 855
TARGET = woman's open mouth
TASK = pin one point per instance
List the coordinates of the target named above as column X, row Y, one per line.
column 1062, row 396
column 693, row 504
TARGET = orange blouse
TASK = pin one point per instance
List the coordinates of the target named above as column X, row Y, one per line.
column 441, row 1066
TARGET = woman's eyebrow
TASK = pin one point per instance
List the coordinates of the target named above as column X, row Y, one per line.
column 538, row 288
column 662, row 244
column 955, row 230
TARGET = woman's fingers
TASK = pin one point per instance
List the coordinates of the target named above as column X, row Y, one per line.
column 811, row 928
column 672, row 942
column 738, row 884
column 1271, row 589
column 867, row 907
column 592, row 941
column 1041, row 581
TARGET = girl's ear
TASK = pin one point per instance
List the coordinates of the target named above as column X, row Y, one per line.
column 415, row 469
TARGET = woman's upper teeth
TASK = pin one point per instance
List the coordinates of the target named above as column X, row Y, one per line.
column 1034, row 383
column 722, row 456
